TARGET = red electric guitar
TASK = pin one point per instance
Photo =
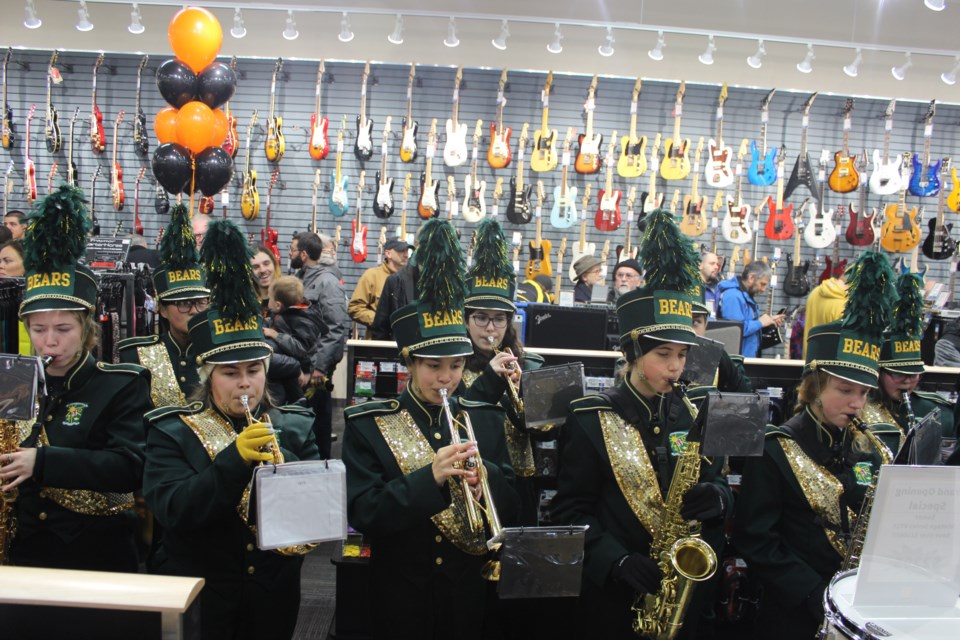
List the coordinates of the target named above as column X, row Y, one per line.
column 231, row 144
column 29, row 169
column 98, row 139
column 53, row 174
column 137, row 225
column 860, row 232
column 319, row 144
column 608, row 212
column 358, row 241
column 780, row 223
column 267, row 235
column 116, row 173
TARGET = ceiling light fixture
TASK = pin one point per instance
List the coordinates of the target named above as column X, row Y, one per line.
column 83, row 15
column 290, row 31
column 346, row 35
column 899, row 73
column 555, row 46
column 30, row 20
column 853, row 68
column 238, row 30
column 806, row 65
column 452, row 40
column 606, row 49
column 657, row 52
column 950, row 77
column 500, row 42
column 707, row 56
column 756, row 60
column 136, row 26
column 397, row 36
column 935, row 5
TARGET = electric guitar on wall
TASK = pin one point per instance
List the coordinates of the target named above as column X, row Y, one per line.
column 676, row 161
column 383, row 203
column 718, row 171
column 315, row 201
column 820, row 231
column 844, row 178
column 274, row 144
column 452, row 203
column 249, row 198
column 137, row 224
column 588, row 157
column 231, row 143
column 650, row 199
column 802, row 173
column 938, row 244
column 900, row 232
column 429, row 204
column 780, row 223
column 8, row 137
column 497, row 194
column 954, row 200
column 98, row 139
column 860, row 231
column 408, row 144
column 141, row 139
column 608, row 212
column 339, row 198
column 627, row 249
column 93, row 201
column 582, row 248
column 925, row 180
column 73, row 177
column 885, row 178
column 835, row 266
column 518, row 205
column 797, row 283
column 544, row 156
column 29, row 168
column 564, row 211
column 50, row 177
column 319, row 125
column 633, row 150
column 363, row 146
column 539, row 262
column 116, row 174
column 269, row 235
column 694, row 219
column 763, row 161
column 499, row 154
column 559, row 281
column 736, row 224
column 455, row 149
column 52, row 126
column 474, row 198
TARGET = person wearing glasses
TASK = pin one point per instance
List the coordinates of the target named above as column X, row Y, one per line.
column 180, row 293
column 626, row 277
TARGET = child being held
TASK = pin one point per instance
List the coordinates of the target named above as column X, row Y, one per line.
column 293, row 331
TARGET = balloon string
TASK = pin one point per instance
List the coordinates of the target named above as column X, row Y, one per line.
column 193, row 177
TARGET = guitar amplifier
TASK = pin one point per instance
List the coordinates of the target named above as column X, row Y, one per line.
column 559, row 327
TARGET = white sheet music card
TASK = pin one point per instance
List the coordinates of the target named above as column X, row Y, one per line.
column 911, row 557
column 300, row 503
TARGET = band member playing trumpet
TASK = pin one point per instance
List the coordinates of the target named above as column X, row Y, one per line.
column 619, row 452
column 200, row 460
column 798, row 502
column 406, row 476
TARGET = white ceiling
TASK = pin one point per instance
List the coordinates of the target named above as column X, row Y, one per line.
column 891, row 25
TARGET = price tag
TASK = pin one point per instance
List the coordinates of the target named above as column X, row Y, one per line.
column 756, row 225
column 773, row 281
column 739, row 169
column 495, row 209
column 780, row 172
column 500, row 98
column 764, row 117
column 847, row 123
column 776, row 253
column 339, row 146
column 696, row 167
column 629, row 216
column 409, row 93
column 566, row 158
column 805, row 121
column 225, row 198
column 454, row 207
column 633, row 108
column 888, row 125
column 431, row 150
column 456, row 94
column 715, row 222
column 383, row 148
column 589, row 105
column 520, row 154
column 928, row 130
column 363, row 90
column 517, row 238
column 719, row 113
column 539, row 211
column 473, row 156
column 545, row 99
column 677, row 110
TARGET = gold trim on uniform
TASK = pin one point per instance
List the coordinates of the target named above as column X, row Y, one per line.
column 412, row 451
column 201, row 358
column 164, row 389
column 632, row 469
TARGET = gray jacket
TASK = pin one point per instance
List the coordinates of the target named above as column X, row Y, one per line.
column 322, row 287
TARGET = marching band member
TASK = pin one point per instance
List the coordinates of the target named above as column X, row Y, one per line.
column 731, row 375
column 200, row 460
column 405, row 479
column 619, row 450
column 799, row 500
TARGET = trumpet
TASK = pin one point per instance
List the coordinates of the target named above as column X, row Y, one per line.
column 481, row 512
column 45, row 361
column 512, row 392
column 274, row 445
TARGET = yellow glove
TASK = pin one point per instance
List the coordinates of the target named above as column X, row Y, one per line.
column 256, row 436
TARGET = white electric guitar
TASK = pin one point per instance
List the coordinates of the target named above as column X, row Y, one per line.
column 736, row 222
column 455, row 149
column 885, row 179
column 820, row 231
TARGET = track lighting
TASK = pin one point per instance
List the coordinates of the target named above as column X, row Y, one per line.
column 935, row 5
column 806, row 65
column 707, row 56
column 756, row 60
column 606, row 49
column 500, row 42
column 83, row 21
column 238, row 30
column 346, row 35
column 950, row 77
column 555, row 46
column 853, row 68
column 290, row 31
column 899, row 73
column 136, row 26
column 397, row 36
column 452, row 40
column 30, row 20
column 657, row 52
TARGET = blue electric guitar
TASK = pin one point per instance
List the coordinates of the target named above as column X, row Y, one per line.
column 339, row 199
column 763, row 164
column 564, row 212
column 925, row 180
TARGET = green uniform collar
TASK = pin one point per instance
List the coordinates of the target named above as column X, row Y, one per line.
column 81, row 371
column 421, row 410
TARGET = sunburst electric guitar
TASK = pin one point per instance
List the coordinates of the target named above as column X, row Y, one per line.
column 499, row 154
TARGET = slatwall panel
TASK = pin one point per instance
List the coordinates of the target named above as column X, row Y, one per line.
column 291, row 201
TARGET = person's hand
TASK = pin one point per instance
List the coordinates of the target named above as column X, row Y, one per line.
column 766, row 320
column 303, row 380
column 638, row 572
column 704, row 501
column 16, row 467
column 270, row 332
column 449, row 463
column 505, row 364
column 318, row 378
column 256, row 436
column 779, row 319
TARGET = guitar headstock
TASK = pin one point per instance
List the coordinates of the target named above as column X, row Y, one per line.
column 699, row 151
column 541, row 193
column 145, row 59
column 386, row 128
column 362, row 183
column 631, row 197
column 321, row 69
column 563, row 248
column 458, row 79
column 406, row 185
column 477, row 132
column 53, row 173
column 592, row 89
column 743, row 150
column 337, row 236
column 734, row 259
column 273, row 181
column 93, row 178
column 33, row 110
column 723, row 95
column 568, row 140
column 277, row 68
column 413, row 74
column 718, row 203
column 681, row 90
column 119, row 119
column 636, row 89
column 53, row 58
column 316, row 182
column 809, row 102
column 7, row 56
column 612, row 147
column 606, row 252
column 96, row 65
column 524, row 133
column 848, row 108
column 655, row 149
column 675, row 201
column 498, row 189
column 366, row 72
column 143, row 171
column 503, row 82
column 765, row 103
column 547, row 84
column 451, row 188
column 432, row 136
column 383, row 238
column 931, row 110
column 891, row 106
column 253, row 120
column 586, row 198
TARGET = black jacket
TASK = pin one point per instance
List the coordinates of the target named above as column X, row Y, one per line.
column 398, row 290
column 299, row 329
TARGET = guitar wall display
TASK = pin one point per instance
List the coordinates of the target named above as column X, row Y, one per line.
column 845, row 178
column 319, row 125
column 925, row 180
column 274, row 144
column 499, row 154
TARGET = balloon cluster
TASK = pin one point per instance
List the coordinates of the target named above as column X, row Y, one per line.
column 191, row 130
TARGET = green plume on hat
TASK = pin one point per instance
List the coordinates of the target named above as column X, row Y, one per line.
column 490, row 252
column 226, row 256
column 57, row 227
column 442, row 282
column 908, row 314
column 667, row 257
column 871, row 294
column 178, row 249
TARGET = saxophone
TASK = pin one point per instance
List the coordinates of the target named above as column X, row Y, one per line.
column 8, row 522
column 851, row 559
column 684, row 558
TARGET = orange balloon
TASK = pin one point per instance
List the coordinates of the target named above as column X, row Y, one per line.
column 165, row 125
column 219, row 130
column 195, row 126
column 195, row 37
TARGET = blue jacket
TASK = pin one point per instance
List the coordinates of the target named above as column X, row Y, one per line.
column 710, row 298
column 737, row 304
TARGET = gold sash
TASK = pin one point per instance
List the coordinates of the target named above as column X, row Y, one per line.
column 632, row 469
column 164, row 389
column 215, row 434
column 874, row 413
column 518, row 443
column 821, row 489
column 412, row 451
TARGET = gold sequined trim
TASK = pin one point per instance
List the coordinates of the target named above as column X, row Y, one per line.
column 412, row 452
column 632, row 469
column 821, row 489
column 24, row 427
column 164, row 389
column 469, row 377
column 519, row 450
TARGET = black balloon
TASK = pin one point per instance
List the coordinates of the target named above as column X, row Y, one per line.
column 177, row 83
column 216, row 84
column 171, row 166
column 214, row 170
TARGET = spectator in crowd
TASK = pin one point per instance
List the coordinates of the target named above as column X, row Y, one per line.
column 946, row 351
column 738, row 302
column 363, row 303
column 16, row 222
column 710, row 274
column 626, row 277
column 266, row 269
column 824, row 304
column 536, row 289
column 140, row 255
column 588, row 270
column 11, row 259
column 398, row 290
column 200, row 224
column 293, row 330
column 5, row 235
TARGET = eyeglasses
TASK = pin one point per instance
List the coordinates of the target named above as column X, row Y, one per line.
column 482, row 320
column 184, row 306
column 628, row 275
column 896, row 375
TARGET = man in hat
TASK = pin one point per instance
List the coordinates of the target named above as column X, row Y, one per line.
column 363, row 304
column 626, row 277
column 589, row 272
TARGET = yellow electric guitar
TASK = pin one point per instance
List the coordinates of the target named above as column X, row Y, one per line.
column 544, row 156
column 249, row 198
column 274, row 144
column 676, row 161
column 633, row 150
column 693, row 222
